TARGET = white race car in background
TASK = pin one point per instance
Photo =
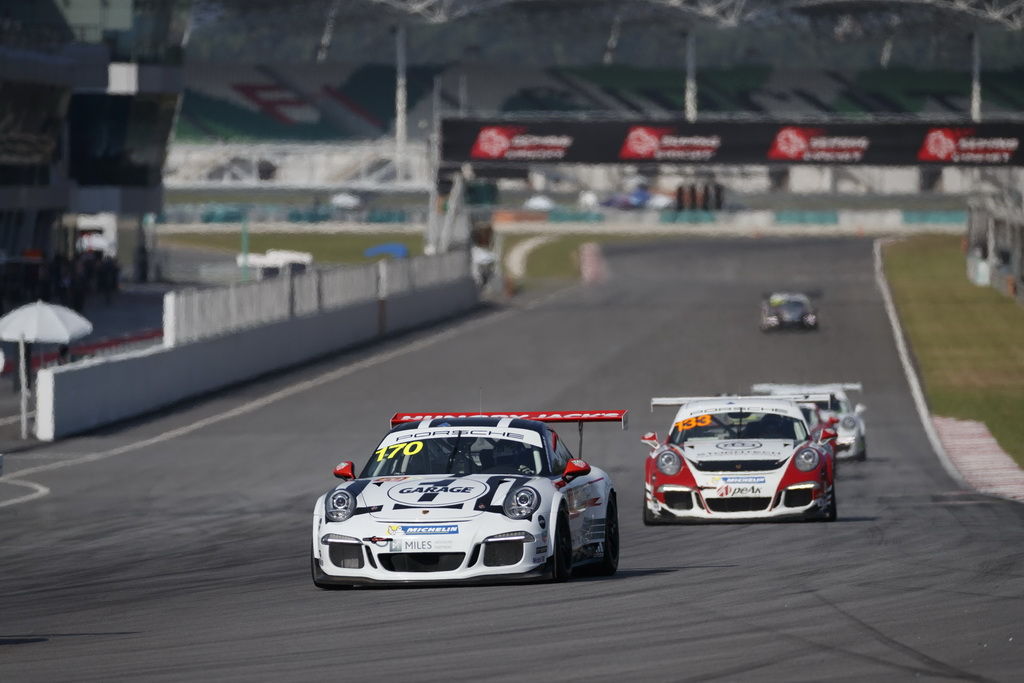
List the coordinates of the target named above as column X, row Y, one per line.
column 738, row 458
column 464, row 497
column 851, row 432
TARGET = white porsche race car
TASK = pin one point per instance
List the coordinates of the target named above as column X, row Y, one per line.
column 848, row 422
column 468, row 497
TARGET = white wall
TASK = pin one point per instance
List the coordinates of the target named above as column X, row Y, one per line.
column 75, row 398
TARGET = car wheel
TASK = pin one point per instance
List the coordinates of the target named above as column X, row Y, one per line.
column 863, row 451
column 832, row 512
column 561, row 563
column 319, row 576
column 610, row 561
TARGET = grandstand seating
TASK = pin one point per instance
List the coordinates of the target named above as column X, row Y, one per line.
column 338, row 102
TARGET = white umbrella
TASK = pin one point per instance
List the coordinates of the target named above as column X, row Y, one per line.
column 539, row 202
column 40, row 323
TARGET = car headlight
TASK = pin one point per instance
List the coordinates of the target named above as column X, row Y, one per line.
column 339, row 505
column 806, row 459
column 669, row 463
column 773, row 320
column 848, row 422
column 522, row 502
column 810, row 318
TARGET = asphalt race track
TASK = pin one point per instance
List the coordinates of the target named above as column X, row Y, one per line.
column 187, row 557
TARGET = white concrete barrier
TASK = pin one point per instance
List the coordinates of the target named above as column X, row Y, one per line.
column 82, row 396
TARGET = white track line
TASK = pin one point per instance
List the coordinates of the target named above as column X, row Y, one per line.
column 251, row 406
column 515, row 262
column 11, row 419
column 908, row 368
column 38, row 491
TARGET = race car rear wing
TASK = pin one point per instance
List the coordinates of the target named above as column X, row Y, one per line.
column 771, row 387
column 561, row 416
column 796, row 398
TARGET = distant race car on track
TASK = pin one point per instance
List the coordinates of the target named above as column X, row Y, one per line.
column 731, row 458
column 839, row 413
column 788, row 310
column 468, row 496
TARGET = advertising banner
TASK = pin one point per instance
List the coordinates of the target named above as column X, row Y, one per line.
column 731, row 142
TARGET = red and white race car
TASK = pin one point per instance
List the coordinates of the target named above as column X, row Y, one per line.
column 730, row 458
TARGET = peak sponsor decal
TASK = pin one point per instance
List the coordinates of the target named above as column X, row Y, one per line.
column 516, row 143
column 961, row 145
column 662, row 143
column 797, row 143
column 730, row 491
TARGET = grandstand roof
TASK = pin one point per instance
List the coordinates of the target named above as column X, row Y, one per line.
column 885, row 14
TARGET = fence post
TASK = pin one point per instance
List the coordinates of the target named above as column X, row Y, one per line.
column 170, row 321
column 318, row 284
column 290, row 285
column 382, row 296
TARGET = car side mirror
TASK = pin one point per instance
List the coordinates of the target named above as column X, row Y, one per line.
column 651, row 439
column 345, row 470
column 574, row 469
column 860, row 408
column 827, row 435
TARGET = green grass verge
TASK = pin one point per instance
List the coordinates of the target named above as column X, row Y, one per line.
column 326, row 248
column 968, row 341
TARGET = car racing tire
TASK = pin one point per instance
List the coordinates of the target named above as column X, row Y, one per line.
column 610, row 560
column 561, row 560
column 832, row 512
column 318, row 575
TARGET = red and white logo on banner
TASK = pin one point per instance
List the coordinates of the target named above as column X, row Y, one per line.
column 493, row 142
column 664, row 143
column 940, row 144
column 792, row 143
column 642, row 142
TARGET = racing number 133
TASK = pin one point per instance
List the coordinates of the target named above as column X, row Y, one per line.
column 411, row 448
column 691, row 422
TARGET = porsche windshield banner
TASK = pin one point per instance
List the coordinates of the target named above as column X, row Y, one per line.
column 605, row 142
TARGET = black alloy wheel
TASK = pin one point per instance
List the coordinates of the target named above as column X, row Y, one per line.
column 610, row 561
column 561, row 568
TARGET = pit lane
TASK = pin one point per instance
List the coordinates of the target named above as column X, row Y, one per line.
column 187, row 558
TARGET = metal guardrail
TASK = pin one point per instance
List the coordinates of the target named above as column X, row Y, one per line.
column 195, row 314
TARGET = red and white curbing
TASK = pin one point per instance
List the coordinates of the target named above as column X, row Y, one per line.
column 959, row 450
column 593, row 268
column 984, row 465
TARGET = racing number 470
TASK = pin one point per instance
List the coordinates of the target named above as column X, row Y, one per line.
column 388, row 452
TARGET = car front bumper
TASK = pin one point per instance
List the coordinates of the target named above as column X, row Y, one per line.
column 364, row 551
column 795, row 502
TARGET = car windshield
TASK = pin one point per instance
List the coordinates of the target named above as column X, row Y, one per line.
column 792, row 307
column 727, row 426
column 459, row 455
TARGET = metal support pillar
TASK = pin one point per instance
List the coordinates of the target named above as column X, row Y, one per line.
column 690, row 100
column 975, row 78
column 401, row 136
